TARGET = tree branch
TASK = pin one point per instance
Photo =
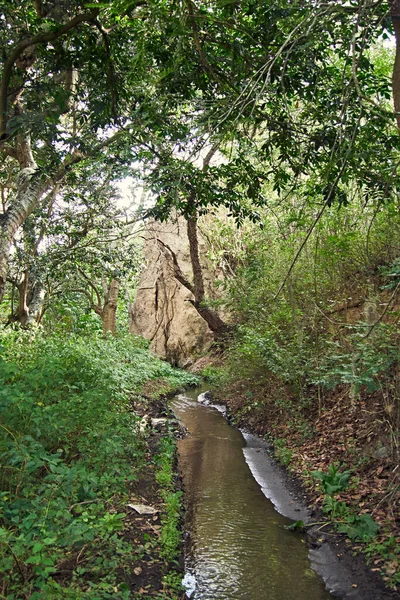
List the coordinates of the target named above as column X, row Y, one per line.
column 396, row 289
column 177, row 270
column 96, row 307
column 111, row 71
column 40, row 38
column 77, row 156
column 90, row 282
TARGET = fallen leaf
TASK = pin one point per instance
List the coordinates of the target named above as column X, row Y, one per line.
column 137, row 571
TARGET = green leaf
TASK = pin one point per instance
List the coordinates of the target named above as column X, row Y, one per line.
column 296, row 526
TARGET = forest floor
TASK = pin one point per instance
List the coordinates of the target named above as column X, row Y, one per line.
column 90, row 505
column 153, row 575
column 353, row 438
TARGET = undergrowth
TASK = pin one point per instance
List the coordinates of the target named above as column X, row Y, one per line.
column 170, row 537
column 70, row 448
column 316, row 365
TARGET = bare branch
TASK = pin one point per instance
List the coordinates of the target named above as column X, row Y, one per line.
column 92, row 285
column 177, row 270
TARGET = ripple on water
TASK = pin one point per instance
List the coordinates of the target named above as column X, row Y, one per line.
column 238, row 547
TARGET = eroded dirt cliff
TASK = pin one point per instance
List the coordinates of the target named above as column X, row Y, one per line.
column 162, row 311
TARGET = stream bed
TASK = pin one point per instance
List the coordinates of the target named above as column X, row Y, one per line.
column 237, row 544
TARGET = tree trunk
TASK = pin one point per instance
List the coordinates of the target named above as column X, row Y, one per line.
column 36, row 300
column 31, row 296
column 213, row 320
column 23, row 310
column 197, row 270
column 395, row 14
column 109, row 312
column 30, row 188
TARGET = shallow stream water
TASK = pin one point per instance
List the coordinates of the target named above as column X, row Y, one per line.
column 237, row 546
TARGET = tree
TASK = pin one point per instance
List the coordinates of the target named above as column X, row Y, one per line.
column 298, row 105
column 72, row 91
column 80, row 241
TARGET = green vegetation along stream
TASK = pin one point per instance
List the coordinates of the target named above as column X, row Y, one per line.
column 238, row 547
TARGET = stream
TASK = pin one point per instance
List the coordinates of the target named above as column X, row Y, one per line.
column 237, row 544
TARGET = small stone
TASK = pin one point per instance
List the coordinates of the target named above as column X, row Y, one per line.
column 143, row 509
column 381, row 452
column 156, row 422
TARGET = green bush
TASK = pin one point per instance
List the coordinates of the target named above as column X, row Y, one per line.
column 69, row 448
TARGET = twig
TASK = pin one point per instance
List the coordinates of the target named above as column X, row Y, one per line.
column 17, row 562
column 80, row 553
column 40, row 38
column 384, row 312
column 322, row 210
column 328, row 319
column 84, row 502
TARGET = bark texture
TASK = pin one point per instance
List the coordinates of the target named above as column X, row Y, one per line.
column 31, row 299
column 23, row 310
column 395, row 14
column 36, row 303
column 30, row 189
column 109, row 312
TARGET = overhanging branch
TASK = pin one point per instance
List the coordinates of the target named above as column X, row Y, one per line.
column 40, row 38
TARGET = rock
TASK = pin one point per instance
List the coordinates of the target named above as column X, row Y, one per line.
column 144, row 421
column 158, row 423
column 162, row 312
column 143, row 509
column 381, row 452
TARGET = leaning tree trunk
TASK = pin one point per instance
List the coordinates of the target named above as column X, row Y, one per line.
column 30, row 188
column 213, row 320
column 109, row 312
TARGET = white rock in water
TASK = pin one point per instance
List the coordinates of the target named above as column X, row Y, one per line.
column 202, row 398
column 159, row 421
column 189, row 583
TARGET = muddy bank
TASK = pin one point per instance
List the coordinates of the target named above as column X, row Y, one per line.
column 332, row 555
column 153, row 574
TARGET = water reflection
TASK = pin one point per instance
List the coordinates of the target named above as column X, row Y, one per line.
column 238, row 547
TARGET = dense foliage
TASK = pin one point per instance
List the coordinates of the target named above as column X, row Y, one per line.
column 71, row 451
column 281, row 113
column 336, row 320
